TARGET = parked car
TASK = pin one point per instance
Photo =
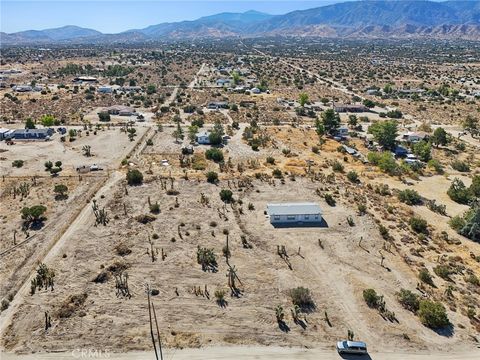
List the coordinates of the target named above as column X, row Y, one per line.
column 351, row 347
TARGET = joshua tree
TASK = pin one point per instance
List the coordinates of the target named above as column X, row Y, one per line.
column 101, row 215
column 279, row 313
column 87, row 150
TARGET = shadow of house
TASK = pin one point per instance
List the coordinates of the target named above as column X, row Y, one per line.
column 355, row 356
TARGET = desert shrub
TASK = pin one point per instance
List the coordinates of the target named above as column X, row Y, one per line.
column 72, row 304
column 371, row 298
column 384, row 233
column 277, row 173
column 460, row 166
column 145, row 218
column 155, row 208
column 154, row 292
column 337, row 166
column 473, row 279
column 330, row 199
column 385, row 162
column 226, row 195
column 302, row 297
column 436, row 165
column 134, row 177
column 214, row 154
column 410, row 197
column 432, row 314
column 418, row 225
column 437, row 208
column 353, row 176
column 220, row 296
column 270, row 160
column 443, row 271
column 102, row 277
column 315, row 149
column 425, row 277
column 206, row 257
column 122, row 249
column 362, row 209
column 17, row 163
column 458, row 192
column 457, row 223
column 408, row 300
column 212, row 177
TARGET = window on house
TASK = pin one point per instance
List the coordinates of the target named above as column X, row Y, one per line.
column 291, row 217
column 276, row 217
column 307, row 217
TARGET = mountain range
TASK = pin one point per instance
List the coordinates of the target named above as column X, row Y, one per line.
column 355, row 19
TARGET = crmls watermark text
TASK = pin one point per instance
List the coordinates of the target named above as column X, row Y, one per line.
column 90, row 354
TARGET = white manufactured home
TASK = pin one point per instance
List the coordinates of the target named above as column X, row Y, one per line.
column 294, row 213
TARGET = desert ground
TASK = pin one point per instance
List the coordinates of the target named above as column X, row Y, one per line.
column 110, row 242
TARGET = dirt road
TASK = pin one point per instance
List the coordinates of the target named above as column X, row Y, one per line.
column 85, row 217
column 243, row 353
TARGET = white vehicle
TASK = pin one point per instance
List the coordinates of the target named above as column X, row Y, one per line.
column 352, row 347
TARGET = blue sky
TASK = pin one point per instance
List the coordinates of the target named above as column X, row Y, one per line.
column 112, row 16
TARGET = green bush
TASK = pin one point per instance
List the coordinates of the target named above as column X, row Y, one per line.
column 458, row 192
column 460, row 166
column 410, row 197
column 212, row 177
column 303, row 298
column 17, row 163
column 371, row 298
column 432, row 314
column 337, row 166
column 419, row 225
column 408, row 300
column 270, row 160
column 353, row 176
column 214, row 155
column 277, row 173
column 330, row 199
column 134, row 177
column 425, row 277
column 226, row 195
column 443, row 271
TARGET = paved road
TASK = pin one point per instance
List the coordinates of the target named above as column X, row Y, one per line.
column 244, row 353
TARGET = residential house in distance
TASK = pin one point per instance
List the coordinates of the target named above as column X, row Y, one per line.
column 105, row 89
column 120, row 110
column 224, row 82
column 414, row 137
column 203, row 137
column 294, row 213
column 31, row 134
column 353, row 108
column 86, row 79
column 23, row 88
column 4, row 133
column 128, row 89
column 215, row 105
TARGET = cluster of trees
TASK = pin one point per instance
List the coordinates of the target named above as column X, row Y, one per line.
column 462, row 194
column 54, row 170
column 45, row 120
column 432, row 314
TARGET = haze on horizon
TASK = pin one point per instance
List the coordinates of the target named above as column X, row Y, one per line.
column 113, row 16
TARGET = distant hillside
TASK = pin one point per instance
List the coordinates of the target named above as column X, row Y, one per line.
column 356, row 19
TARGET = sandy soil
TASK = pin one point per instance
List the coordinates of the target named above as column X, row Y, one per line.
column 108, row 148
column 330, row 273
column 252, row 352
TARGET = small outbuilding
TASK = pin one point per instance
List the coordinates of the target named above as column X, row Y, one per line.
column 294, row 213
